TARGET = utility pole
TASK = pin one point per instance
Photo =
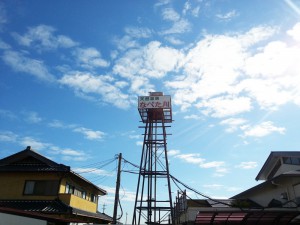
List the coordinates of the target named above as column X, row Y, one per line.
column 117, row 189
column 103, row 207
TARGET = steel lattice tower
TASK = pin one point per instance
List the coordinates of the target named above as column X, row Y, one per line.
column 153, row 202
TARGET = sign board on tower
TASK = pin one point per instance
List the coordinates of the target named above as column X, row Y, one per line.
column 154, row 102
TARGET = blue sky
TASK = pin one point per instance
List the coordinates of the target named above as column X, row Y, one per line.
column 71, row 72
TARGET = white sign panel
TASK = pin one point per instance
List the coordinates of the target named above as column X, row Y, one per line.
column 154, row 102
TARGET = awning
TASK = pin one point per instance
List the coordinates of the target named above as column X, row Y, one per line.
column 246, row 218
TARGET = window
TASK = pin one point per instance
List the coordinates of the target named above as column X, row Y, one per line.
column 291, row 160
column 93, row 198
column 41, row 187
column 70, row 189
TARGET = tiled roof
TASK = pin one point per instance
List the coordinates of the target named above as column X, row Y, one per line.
column 257, row 217
column 45, row 206
column 31, row 161
column 50, row 207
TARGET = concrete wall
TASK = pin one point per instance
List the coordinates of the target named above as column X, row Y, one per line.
column 274, row 190
column 9, row 219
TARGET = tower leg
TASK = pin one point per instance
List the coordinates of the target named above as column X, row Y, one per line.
column 153, row 201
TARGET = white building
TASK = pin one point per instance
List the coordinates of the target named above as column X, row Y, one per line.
column 274, row 201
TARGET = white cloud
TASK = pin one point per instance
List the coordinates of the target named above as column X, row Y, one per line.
column 56, row 124
column 225, row 106
column 90, row 134
column 193, row 116
column 7, row 114
column 193, row 158
column 32, row 117
column 92, row 170
column 68, row 154
column 138, row 32
column 262, row 129
column 227, row 16
column 178, row 27
column 34, row 143
column 4, row 45
column 71, row 152
column 8, row 136
column 89, row 58
column 3, row 15
column 125, row 43
column 150, row 61
column 21, row 63
column 173, row 152
column 213, row 164
column 226, row 75
column 42, row 37
column 37, row 145
column 125, row 194
column 139, row 143
column 191, row 9
column 170, row 14
column 233, row 124
column 100, row 86
column 295, row 32
column 173, row 40
column 247, row 165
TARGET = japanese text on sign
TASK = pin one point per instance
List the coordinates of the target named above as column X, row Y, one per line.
column 152, row 102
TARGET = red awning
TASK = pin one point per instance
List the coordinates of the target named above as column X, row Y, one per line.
column 245, row 218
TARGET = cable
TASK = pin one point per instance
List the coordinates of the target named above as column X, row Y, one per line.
column 178, row 181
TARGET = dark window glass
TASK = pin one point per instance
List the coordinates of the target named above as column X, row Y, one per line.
column 41, row 187
column 291, row 160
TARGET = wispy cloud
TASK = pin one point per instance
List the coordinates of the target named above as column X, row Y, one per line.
column 262, row 129
column 193, row 116
column 170, row 14
column 95, row 171
column 233, row 124
column 34, row 143
column 247, row 165
column 227, row 16
column 179, row 24
column 89, row 58
column 295, row 31
column 8, row 136
column 22, row 63
column 32, row 117
column 138, row 32
column 3, row 15
column 139, row 143
column 43, row 37
column 173, row 152
column 38, row 145
column 100, row 86
column 8, row 114
column 90, row 134
column 195, row 158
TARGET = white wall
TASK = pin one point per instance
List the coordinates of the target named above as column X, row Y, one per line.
column 9, row 219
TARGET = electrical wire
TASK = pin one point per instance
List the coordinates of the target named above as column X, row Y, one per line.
column 176, row 181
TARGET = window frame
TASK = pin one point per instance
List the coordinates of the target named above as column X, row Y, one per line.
column 41, row 187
